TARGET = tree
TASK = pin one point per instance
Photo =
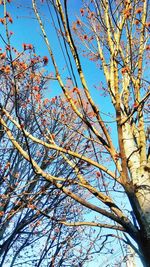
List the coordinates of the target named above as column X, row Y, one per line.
column 115, row 35
column 30, row 206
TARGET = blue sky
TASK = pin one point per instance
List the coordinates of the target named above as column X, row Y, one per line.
column 26, row 30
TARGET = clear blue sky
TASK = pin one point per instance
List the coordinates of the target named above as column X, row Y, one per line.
column 26, row 30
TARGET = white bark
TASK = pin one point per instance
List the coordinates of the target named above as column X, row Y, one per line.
column 132, row 153
column 139, row 176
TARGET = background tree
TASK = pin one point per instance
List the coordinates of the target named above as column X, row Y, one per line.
column 31, row 207
column 103, row 170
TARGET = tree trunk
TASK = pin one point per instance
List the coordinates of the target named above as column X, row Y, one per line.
column 140, row 196
column 143, row 195
column 145, row 251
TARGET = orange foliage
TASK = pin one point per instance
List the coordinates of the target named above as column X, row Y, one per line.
column 27, row 46
column 31, row 206
column 75, row 89
column 125, row 70
column 7, row 69
column 82, row 11
column 10, row 20
column 98, row 174
column 1, row 213
column 147, row 24
column 127, row 12
column 136, row 22
column 148, row 47
column 79, row 23
column 45, row 60
column 38, row 97
column 138, row 10
column 36, row 88
column 3, row 55
column 2, row 21
column 7, row 165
